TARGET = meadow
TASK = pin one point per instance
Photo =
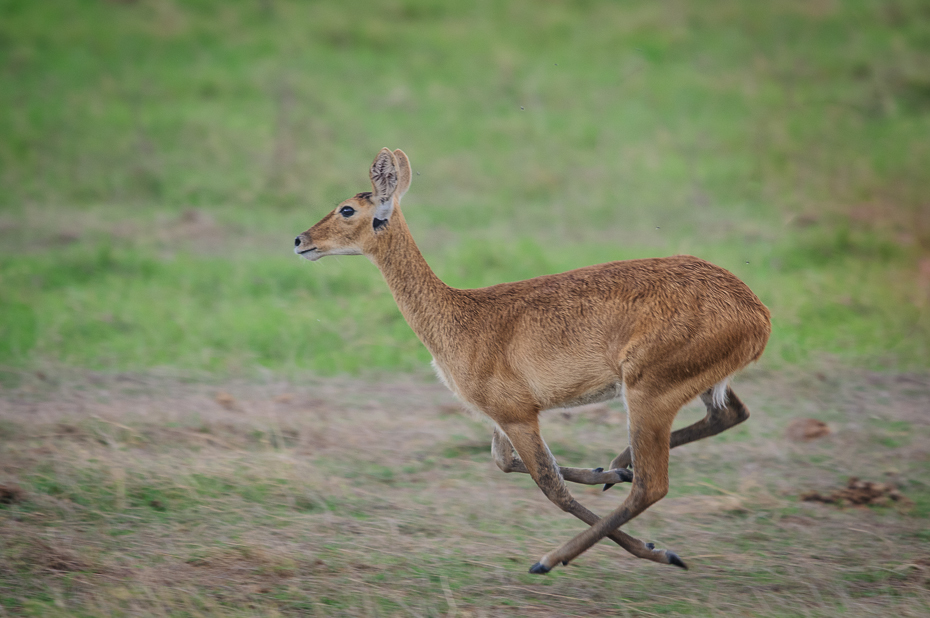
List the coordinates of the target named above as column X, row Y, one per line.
column 158, row 157
column 148, row 495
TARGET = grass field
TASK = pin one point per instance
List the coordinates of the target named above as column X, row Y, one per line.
column 199, row 423
column 148, row 495
column 159, row 158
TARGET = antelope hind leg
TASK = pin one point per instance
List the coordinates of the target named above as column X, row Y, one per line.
column 506, row 460
column 650, row 429
column 717, row 420
column 531, row 447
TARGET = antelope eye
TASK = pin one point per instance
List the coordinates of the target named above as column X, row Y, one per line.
column 346, row 211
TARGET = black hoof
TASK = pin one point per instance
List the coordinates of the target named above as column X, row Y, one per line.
column 598, row 469
column 674, row 559
column 650, row 545
column 626, row 476
column 540, row 569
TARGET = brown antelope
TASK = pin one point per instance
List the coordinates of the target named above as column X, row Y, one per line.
column 655, row 332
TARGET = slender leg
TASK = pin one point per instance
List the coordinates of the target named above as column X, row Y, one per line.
column 716, row 421
column 541, row 466
column 506, row 460
column 650, row 429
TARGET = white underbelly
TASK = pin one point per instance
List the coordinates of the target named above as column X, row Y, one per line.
column 611, row 391
column 445, row 378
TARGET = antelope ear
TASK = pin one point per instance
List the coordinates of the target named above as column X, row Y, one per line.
column 383, row 183
column 403, row 173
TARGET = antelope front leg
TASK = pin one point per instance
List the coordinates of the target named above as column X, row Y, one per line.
column 530, row 446
column 502, row 451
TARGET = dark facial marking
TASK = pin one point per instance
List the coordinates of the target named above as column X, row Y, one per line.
column 377, row 224
column 366, row 195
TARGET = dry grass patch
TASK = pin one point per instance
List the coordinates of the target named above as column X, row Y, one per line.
column 147, row 495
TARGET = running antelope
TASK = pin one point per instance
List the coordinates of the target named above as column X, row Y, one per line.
column 655, row 332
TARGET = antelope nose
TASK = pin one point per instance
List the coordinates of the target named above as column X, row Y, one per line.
column 297, row 241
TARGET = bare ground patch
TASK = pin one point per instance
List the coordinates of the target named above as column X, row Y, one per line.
column 148, row 495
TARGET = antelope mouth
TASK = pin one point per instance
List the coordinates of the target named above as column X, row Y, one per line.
column 311, row 254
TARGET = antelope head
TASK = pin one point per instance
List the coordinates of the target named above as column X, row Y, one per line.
column 354, row 227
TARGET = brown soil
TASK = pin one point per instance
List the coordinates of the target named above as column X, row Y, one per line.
column 807, row 429
column 858, row 492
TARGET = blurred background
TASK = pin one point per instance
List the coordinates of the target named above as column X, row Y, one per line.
column 196, row 422
column 158, row 157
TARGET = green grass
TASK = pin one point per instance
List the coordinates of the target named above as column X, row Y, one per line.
column 158, row 158
column 112, row 305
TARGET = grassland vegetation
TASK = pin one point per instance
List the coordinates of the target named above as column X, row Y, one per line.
column 140, row 494
column 159, row 157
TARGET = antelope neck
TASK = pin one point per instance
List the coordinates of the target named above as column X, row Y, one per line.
column 428, row 304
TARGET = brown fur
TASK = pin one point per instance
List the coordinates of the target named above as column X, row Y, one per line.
column 665, row 330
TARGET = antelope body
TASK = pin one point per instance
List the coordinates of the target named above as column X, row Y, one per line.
column 656, row 332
